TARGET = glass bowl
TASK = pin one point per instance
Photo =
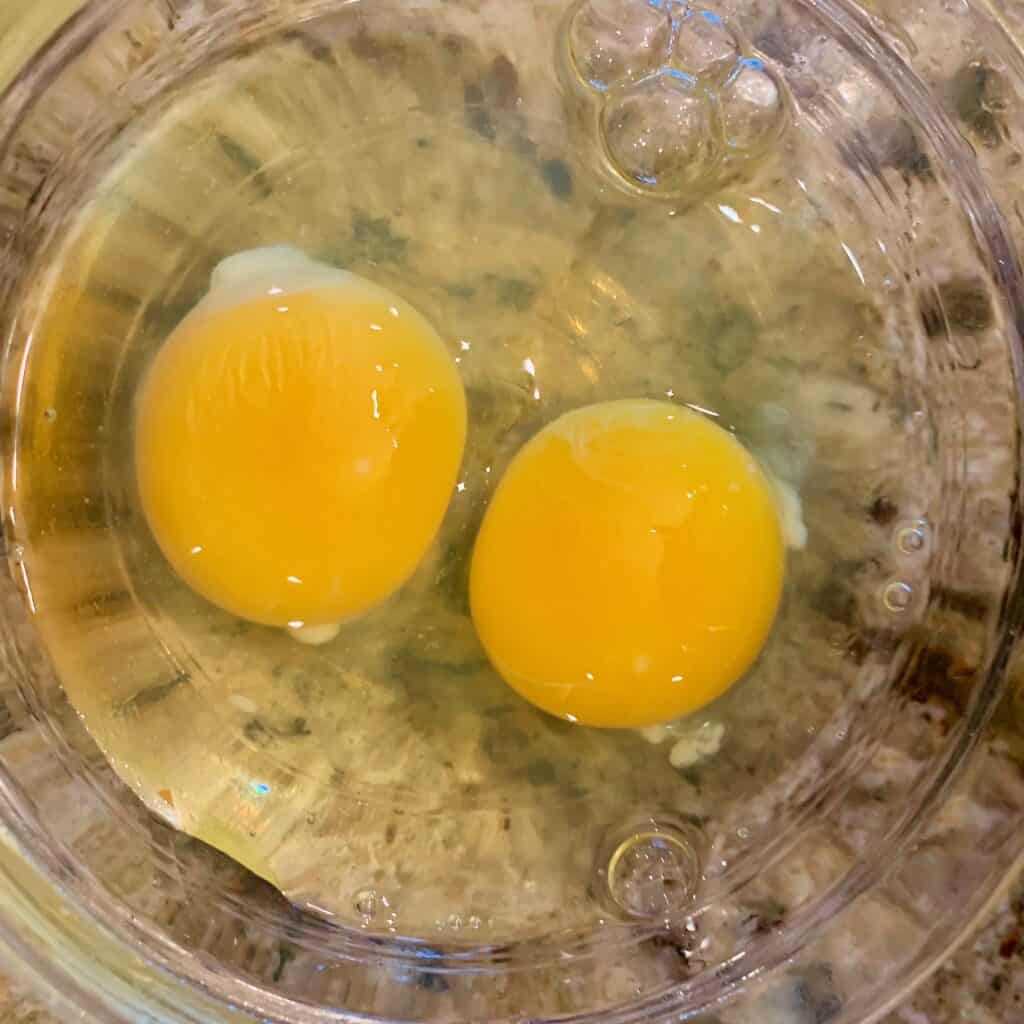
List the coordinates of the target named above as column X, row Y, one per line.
column 796, row 217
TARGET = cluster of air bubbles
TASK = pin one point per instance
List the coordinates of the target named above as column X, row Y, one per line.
column 375, row 910
column 913, row 542
column 683, row 104
column 651, row 871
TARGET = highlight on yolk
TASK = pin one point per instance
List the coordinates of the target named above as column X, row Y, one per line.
column 629, row 566
column 298, row 437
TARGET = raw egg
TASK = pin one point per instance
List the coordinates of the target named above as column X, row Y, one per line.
column 298, row 437
column 629, row 566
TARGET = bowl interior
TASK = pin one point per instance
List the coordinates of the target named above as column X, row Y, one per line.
column 807, row 260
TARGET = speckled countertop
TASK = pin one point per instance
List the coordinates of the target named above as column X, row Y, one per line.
column 983, row 983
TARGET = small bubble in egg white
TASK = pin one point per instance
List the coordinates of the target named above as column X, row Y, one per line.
column 897, row 596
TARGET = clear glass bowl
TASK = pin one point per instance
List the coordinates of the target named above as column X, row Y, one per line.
column 800, row 216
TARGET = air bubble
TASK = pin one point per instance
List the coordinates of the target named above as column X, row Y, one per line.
column 367, row 904
column 612, row 42
column 50, row 415
column 912, row 540
column 897, row 596
column 661, row 133
column 653, row 872
column 704, row 44
column 752, row 109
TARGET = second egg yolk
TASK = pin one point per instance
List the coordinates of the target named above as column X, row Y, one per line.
column 630, row 565
column 296, row 450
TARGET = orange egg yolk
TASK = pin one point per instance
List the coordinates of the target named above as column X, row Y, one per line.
column 296, row 451
column 629, row 566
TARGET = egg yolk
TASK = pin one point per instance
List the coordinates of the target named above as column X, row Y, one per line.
column 629, row 566
column 296, row 450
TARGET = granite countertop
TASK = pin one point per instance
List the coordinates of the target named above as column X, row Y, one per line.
column 983, row 983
